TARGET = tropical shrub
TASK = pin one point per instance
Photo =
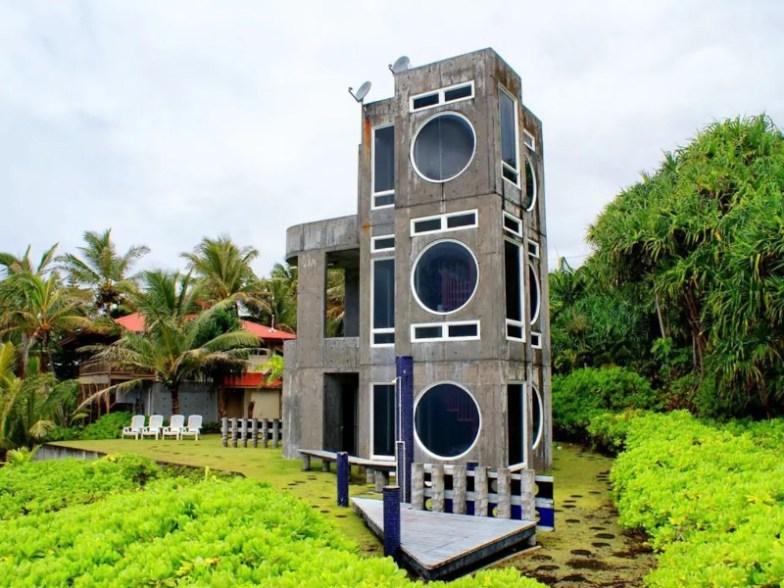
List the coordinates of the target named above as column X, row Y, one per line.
column 586, row 393
column 607, row 431
column 710, row 498
column 109, row 426
column 233, row 532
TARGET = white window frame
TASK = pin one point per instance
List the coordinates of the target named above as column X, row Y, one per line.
column 523, row 296
column 524, row 401
column 445, row 331
column 441, row 96
column 533, row 248
column 373, row 419
column 529, row 140
column 535, row 181
column 418, row 441
column 538, row 286
column 373, row 329
column 413, row 272
column 416, row 136
column 536, row 340
column 518, row 221
column 540, row 436
column 373, row 192
column 504, row 165
column 375, row 240
column 443, row 220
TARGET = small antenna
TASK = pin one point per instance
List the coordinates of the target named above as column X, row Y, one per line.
column 400, row 65
column 360, row 94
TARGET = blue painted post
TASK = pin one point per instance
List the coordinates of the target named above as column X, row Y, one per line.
column 343, row 476
column 391, row 521
column 404, row 422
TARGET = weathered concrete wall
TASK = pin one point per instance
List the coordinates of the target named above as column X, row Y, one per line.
column 195, row 398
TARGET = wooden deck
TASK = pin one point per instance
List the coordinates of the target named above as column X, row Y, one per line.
column 440, row 546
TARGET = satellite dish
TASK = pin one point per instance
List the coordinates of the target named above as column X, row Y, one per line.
column 401, row 65
column 360, row 94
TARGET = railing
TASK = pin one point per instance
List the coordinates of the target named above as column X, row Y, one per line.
column 234, row 431
column 481, row 491
column 99, row 367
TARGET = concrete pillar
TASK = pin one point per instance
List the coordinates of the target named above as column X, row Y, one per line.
column 437, row 478
column 459, row 488
column 480, row 491
column 224, row 431
column 418, row 486
column 504, row 507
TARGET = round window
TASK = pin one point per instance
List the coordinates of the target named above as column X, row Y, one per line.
column 443, row 147
column 445, row 276
column 529, row 196
column 447, row 420
column 538, row 416
column 533, row 293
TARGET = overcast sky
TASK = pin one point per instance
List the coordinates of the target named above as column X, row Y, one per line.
column 172, row 120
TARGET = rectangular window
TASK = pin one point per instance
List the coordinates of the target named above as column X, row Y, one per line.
column 383, row 166
column 533, row 249
column 513, row 276
column 383, row 420
column 382, row 243
column 517, row 423
column 452, row 221
column 457, row 93
column 529, row 141
column 456, row 331
column 383, row 302
column 464, row 331
column 536, row 340
column 509, row 156
column 513, row 225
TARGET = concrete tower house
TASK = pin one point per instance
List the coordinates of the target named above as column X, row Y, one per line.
column 445, row 261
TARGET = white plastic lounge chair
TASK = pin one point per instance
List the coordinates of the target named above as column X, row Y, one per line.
column 136, row 427
column 193, row 428
column 155, row 427
column 175, row 427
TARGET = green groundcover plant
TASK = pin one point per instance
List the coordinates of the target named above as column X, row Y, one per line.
column 710, row 497
column 177, row 532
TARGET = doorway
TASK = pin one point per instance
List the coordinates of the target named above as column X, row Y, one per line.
column 341, row 392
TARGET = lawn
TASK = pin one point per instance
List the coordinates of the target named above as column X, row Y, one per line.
column 317, row 488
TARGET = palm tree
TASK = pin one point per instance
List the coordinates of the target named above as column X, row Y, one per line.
column 280, row 293
column 178, row 343
column 40, row 308
column 223, row 270
column 23, row 265
column 102, row 270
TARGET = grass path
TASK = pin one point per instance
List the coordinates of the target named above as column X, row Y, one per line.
column 317, row 488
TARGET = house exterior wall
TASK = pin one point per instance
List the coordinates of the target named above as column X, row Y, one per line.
column 484, row 366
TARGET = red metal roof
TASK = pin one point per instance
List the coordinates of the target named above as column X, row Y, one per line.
column 135, row 322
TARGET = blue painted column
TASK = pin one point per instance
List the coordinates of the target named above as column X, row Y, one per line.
column 344, row 472
column 391, row 521
column 404, row 423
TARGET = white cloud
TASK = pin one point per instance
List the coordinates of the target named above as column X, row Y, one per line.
column 172, row 121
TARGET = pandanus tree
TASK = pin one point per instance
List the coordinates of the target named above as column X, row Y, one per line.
column 101, row 270
column 179, row 342
column 705, row 236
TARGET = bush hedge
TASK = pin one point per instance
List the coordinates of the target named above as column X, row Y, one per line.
column 586, row 393
column 711, row 499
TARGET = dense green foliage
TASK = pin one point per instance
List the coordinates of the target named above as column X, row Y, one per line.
column 109, row 426
column 710, row 498
column 686, row 282
column 586, row 393
column 39, row 487
column 212, row 533
column 607, row 431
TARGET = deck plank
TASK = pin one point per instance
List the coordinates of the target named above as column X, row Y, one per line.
column 441, row 545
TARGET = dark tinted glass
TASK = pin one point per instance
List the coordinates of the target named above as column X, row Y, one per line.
column 444, row 147
column 445, row 276
column 447, row 420
column 433, row 332
column 384, row 200
column 514, row 399
column 383, row 293
column 512, row 224
column 386, row 243
column 383, row 419
column 457, row 93
column 513, row 291
column 530, row 185
column 384, row 164
column 463, row 331
column 424, row 101
column 462, row 220
column 433, row 224
column 514, row 332
column 508, row 142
